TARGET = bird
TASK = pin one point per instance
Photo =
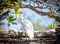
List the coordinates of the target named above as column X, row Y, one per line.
column 28, row 27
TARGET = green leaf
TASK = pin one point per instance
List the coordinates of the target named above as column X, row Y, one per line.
column 52, row 26
column 13, row 23
column 11, row 19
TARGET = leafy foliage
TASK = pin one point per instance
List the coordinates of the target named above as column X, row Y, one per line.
column 8, row 2
column 11, row 19
column 53, row 12
column 52, row 26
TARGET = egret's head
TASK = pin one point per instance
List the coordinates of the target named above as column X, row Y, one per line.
column 22, row 17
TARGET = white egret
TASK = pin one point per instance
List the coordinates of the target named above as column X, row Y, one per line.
column 28, row 27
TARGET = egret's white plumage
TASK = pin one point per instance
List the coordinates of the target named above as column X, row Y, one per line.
column 28, row 27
